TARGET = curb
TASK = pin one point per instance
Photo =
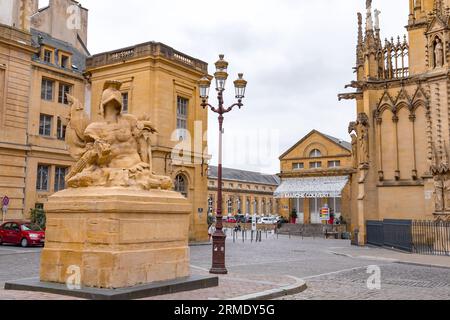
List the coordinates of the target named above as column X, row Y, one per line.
column 199, row 244
column 417, row 264
column 392, row 260
column 298, row 287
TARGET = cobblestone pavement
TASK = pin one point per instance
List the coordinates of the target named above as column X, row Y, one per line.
column 332, row 269
column 398, row 282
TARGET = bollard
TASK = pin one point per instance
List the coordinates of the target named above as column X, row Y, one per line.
column 251, row 236
column 243, row 236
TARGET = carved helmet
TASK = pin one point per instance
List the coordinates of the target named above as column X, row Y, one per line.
column 111, row 92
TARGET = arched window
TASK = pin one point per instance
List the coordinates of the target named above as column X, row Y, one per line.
column 315, row 154
column 181, row 185
column 239, row 205
column 230, row 206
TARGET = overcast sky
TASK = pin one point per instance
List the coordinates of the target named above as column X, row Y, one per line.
column 297, row 55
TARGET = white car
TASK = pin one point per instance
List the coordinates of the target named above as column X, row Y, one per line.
column 267, row 220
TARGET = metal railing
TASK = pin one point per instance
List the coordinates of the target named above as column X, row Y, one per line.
column 416, row 236
column 431, row 237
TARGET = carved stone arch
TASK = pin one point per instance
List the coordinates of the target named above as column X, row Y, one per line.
column 417, row 104
column 420, row 92
column 420, row 97
column 401, row 105
column 386, row 98
column 381, row 109
column 315, row 145
column 402, row 97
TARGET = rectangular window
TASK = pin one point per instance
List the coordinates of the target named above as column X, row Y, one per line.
column 45, row 125
column 125, row 102
column 298, row 166
column 61, row 130
column 335, row 204
column 47, row 89
column 65, row 62
column 182, row 117
column 230, row 206
column 48, row 56
column 42, row 178
column 64, row 89
column 39, row 206
column 334, row 164
column 211, row 204
column 60, row 178
column 315, row 165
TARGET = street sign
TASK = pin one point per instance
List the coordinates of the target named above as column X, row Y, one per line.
column 325, row 214
column 5, row 201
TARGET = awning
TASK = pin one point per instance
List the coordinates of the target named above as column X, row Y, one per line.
column 314, row 187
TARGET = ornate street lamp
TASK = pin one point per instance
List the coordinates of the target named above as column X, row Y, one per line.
column 221, row 76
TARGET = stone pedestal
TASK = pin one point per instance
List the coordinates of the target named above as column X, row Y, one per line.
column 115, row 237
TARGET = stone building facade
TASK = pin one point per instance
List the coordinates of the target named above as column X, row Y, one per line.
column 315, row 172
column 244, row 192
column 38, row 65
column 161, row 83
column 402, row 132
column 43, row 56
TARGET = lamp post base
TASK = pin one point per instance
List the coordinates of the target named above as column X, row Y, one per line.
column 221, row 271
column 218, row 266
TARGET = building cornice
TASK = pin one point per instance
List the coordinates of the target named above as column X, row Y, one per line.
column 240, row 191
column 317, row 173
column 58, row 71
column 150, row 50
column 318, row 159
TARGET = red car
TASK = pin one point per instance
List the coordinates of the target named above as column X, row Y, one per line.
column 22, row 233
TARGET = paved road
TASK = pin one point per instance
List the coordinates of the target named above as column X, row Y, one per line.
column 329, row 275
column 18, row 263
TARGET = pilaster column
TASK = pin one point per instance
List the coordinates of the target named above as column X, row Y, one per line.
column 397, row 157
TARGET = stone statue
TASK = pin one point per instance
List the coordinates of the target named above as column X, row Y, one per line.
column 438, row 54
column 352, row 132
column 113, row 152
column 363, row 139
column 377, row 19
column 440, row 170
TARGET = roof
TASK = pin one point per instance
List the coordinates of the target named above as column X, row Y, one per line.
column 244, row 176
column 344, row 144
column 39, row 38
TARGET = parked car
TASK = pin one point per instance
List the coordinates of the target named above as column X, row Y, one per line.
column 240, row 219
column 268, row 220
column 21, row 233
column 230, row 220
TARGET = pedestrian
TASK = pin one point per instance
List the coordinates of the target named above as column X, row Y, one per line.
column 211, row 231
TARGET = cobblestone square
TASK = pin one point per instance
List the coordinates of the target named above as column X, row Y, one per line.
column 332, row 270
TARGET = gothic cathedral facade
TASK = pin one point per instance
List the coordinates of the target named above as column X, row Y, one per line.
column 401, row 137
